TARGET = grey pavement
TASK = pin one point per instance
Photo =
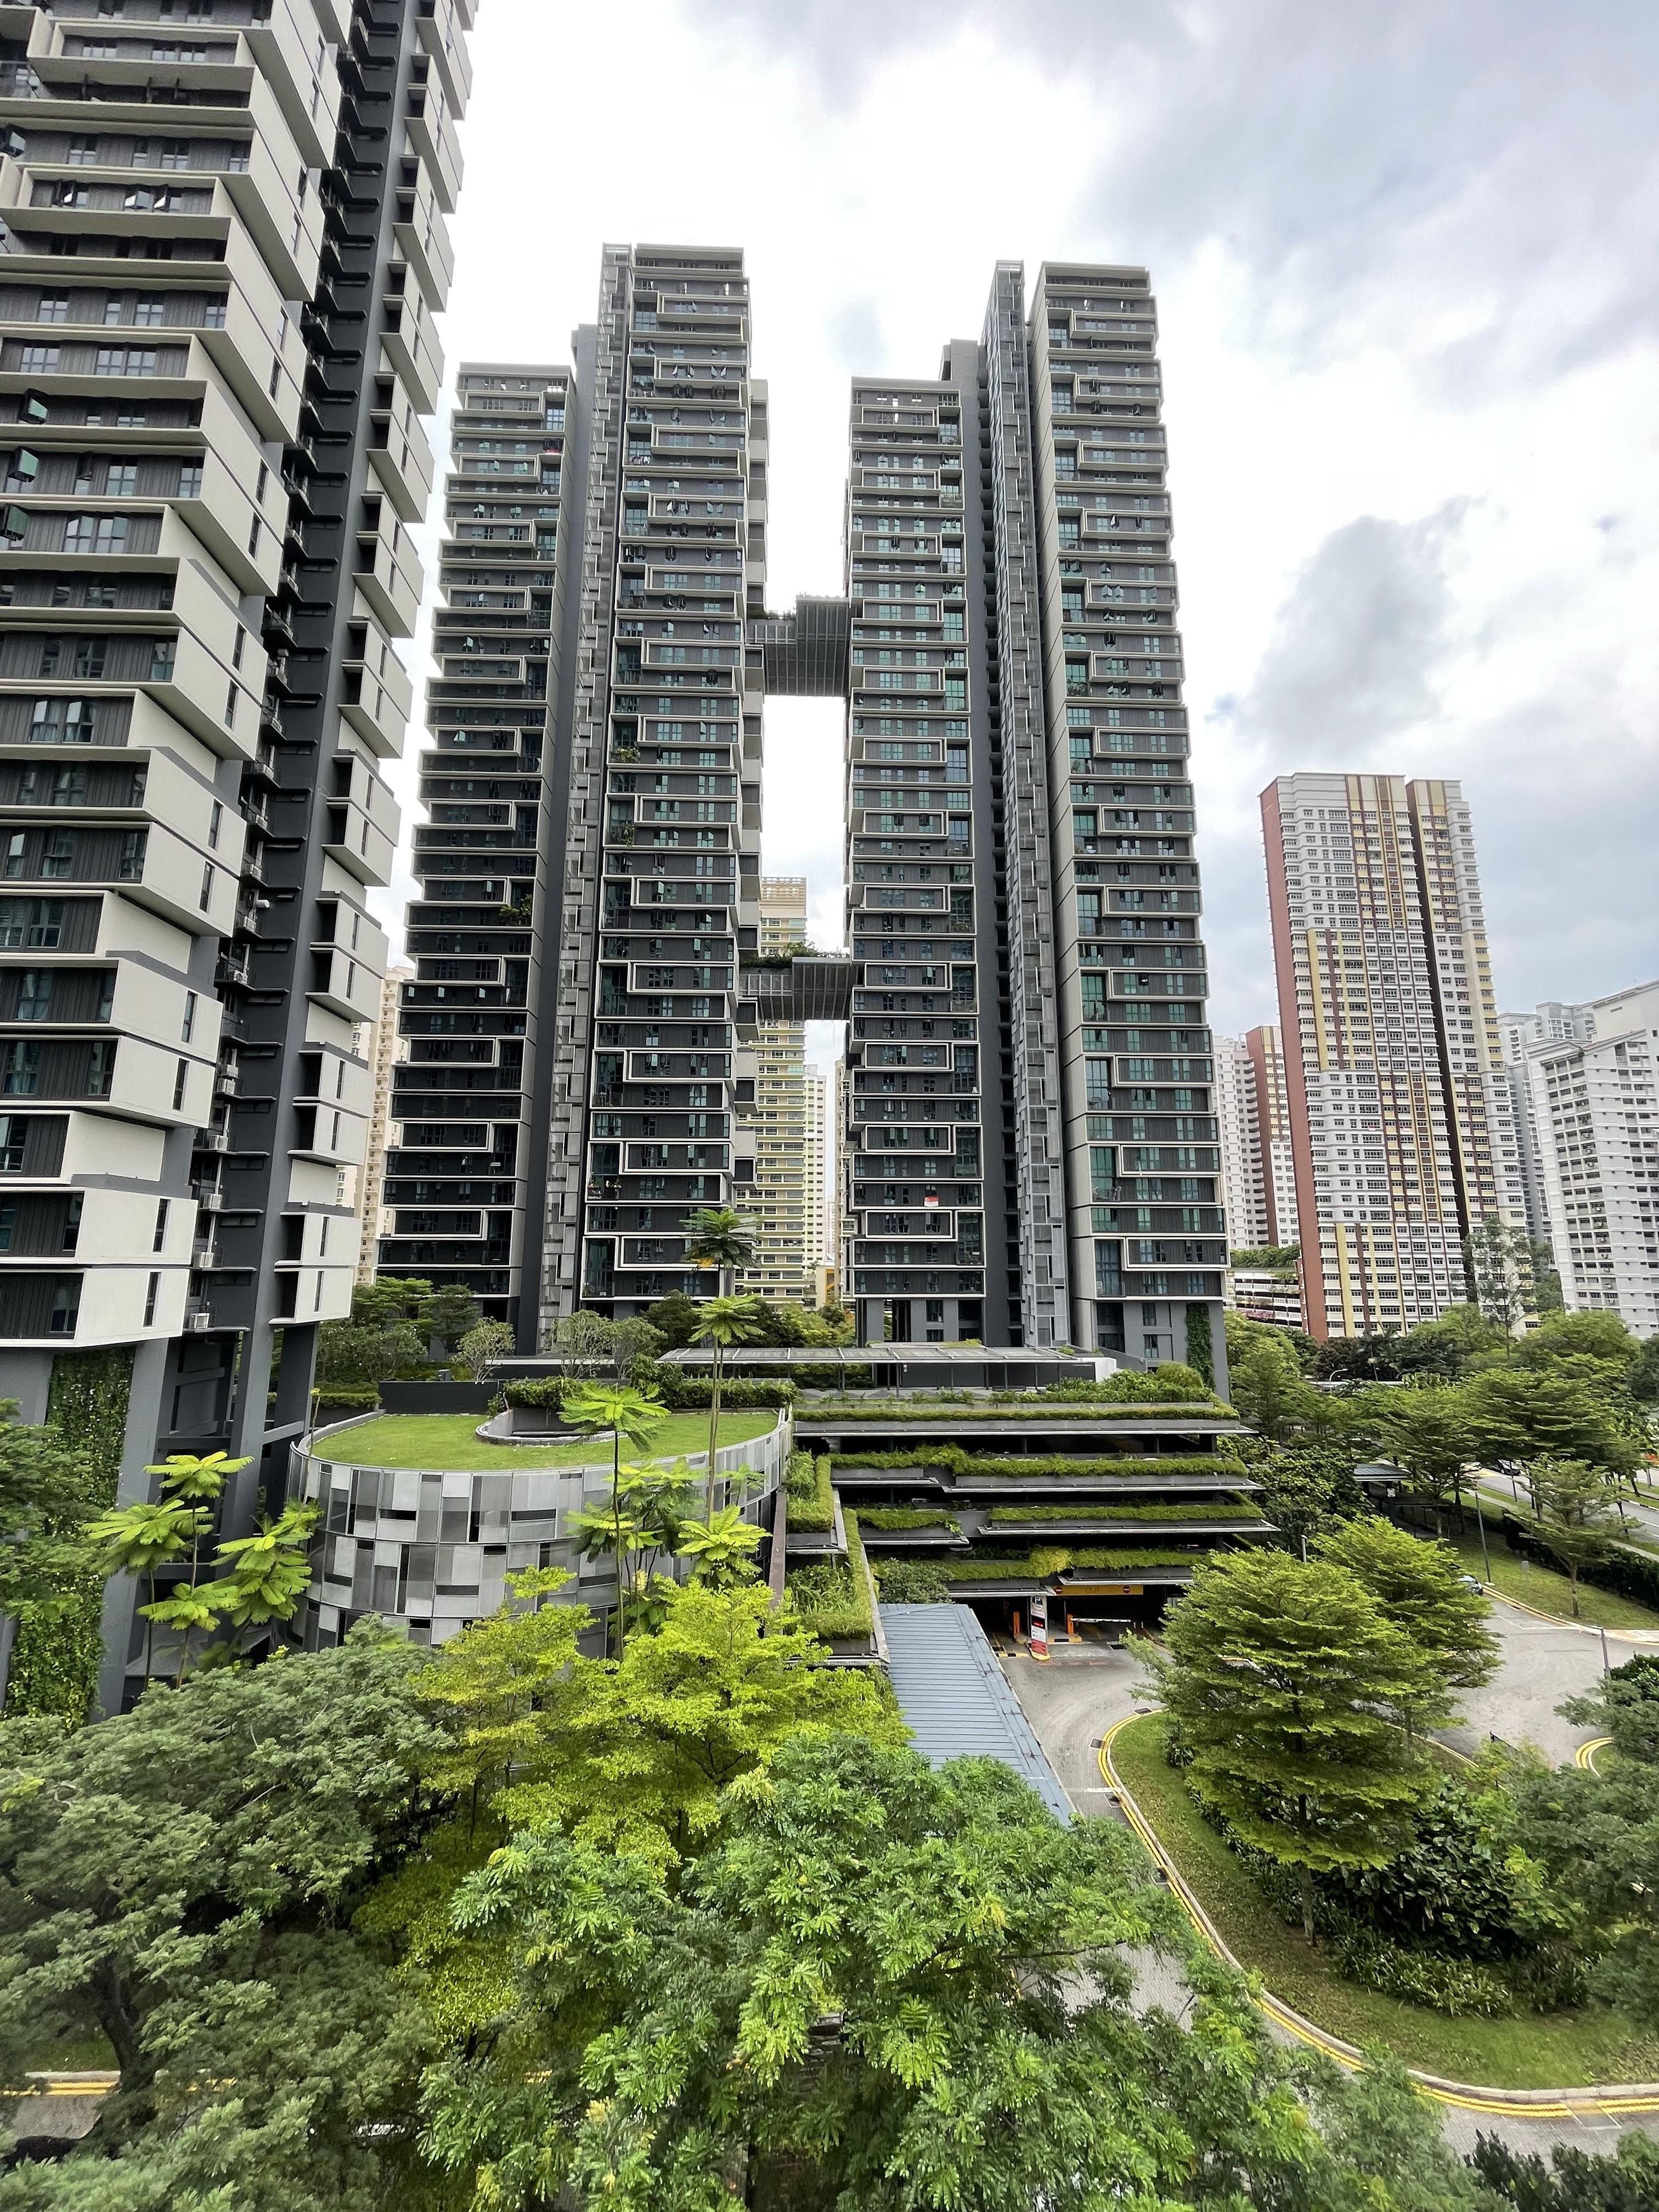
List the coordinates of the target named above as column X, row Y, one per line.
column 1073, row 1700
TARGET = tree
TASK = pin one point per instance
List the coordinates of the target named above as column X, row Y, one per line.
column 1456, row 1341
column 449, row 1313
column 141, row 1539
column 1626, row 2179
column 1526, row 1415
column 1264, row 1383
column 1427, row 1433
column 47, row 1494
column 180, row 1881
column 1602, row 1337
column 633, row 1417
column 583, row 1340
column 724, row 1321
column 389, row 1301
column 717, row 1237
column 1305, row 1487
column 1359, row 1358
column 674, row 1318
column 1574, row 1504
column 1597, row 1835
column 1498, row 1261
column 897, row 1989
column 645, row 1523
column 478, row 1351
column 352, row 1355
column 1272, row 1678
column 724, row 1548
column 1642, row 1376
column 1421, row 1588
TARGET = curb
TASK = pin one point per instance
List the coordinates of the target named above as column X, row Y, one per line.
column 1620, row 2098
column 1585, row 1754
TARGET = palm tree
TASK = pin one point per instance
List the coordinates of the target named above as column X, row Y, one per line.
column 721, row 1322
column 633, row 1417
column 716, row 1236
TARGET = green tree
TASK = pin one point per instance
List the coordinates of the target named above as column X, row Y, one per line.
column 1454, row 1343
column 1426, row 1432
column 896, row 1990
column 724, row 1548
column 674, row 1318
column 1498, row 1261
column 1576, row 1504
column 584, row 1340
column 1597, row 1835
column 1642, row 1376
column 1273, row 1675
column 449, row 1313
column 141, row 1539
column 1305, row 1487
column 352, row 1355
column 479, row 1350
column 1421, row 1588
column 633, row 1417
column 1264, row 1383
column 48, row 1494
column 646, row 1524
column 1526, row 1415
column 717, row 1237
column 179, row 1881
column 1626, row 2179
column 723, row 1322
column 388, row 1301
column 1598, row 1336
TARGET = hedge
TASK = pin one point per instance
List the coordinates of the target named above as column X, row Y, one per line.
column 689, row 1393
column 998, row 1414
column 891, row 1517
column 1627, row 1574
column 833, row 1599
column 338, row 1399
column 912, row 1582
column 546, row 1391
column 1023, row 1514
column 964, row 1464
column 811, row 1505
column 1053, row 1560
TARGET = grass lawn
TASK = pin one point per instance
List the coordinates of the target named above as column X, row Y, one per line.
column 1541, row 1588
column 1560, row 2051
column 447, row 1441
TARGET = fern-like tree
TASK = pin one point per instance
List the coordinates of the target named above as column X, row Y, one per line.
column 722, row 1323
column 633, row 1417
column 717, row 1237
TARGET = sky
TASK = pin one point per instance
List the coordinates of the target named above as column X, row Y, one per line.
column 1405, row 257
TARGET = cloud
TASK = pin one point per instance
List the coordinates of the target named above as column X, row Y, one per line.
column 1350, row 663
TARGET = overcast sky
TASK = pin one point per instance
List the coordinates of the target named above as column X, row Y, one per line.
column 1405, row 256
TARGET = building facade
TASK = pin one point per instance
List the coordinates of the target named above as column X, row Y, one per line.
column 225, row 245
column 1402, row 1132
column 1243, row 1180
column 779, row 1125
column 819, row 1240
column 1026, row 1143
column 382, row 1054
column 1587, row 1076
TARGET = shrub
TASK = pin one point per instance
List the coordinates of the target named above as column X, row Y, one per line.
column 833, row 1599
column 1459, row 1988
column 337, row 1400
column 912, row 1582
column 951, row 1459
column 1232, row 1508
column 546, row 1391
column 811, row 1499
column 688, row 1393
column 891, row 1517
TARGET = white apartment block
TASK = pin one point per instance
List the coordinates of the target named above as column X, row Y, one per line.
column 382, row 1057
column 1402, row 1131
column 1244, row 1193
column 781, row 1121
column 1588, row 1075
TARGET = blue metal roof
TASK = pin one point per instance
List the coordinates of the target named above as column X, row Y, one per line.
column 956, row 1699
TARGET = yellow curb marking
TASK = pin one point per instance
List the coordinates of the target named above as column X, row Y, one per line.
column 1572, row 2104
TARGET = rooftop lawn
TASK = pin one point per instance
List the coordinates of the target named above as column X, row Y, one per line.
column 447, row 1442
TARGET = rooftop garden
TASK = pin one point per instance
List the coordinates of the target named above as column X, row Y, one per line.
column 450, row 1443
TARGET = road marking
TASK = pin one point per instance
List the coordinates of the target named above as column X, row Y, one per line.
column 1564, row 2103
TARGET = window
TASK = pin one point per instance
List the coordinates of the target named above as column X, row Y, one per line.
column 89, row 655
column 58, row 859
column 83, row 153
column 161, row 660
column 179, row 1082
column 34, row 995
column 191, row 1003
column 190, row 480
column 122, row 482
column 65, row 1306
column 151, row 1296
column 37, row 360
column 20, row 1069
column 36, row 924
column 207, row 887
column 215, row 823
column 163, row 1207
column 14, row 1134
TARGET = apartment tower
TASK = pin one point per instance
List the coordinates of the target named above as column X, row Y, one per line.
column 1587, row 1078
column 778, row 1126
column 1402, row 1134
column 1243, row 1179
column 382, row 1050
column 225, row 247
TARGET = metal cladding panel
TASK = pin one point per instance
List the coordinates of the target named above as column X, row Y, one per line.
column 956, row 1699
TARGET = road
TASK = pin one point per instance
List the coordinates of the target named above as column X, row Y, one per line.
column 1071, row 1701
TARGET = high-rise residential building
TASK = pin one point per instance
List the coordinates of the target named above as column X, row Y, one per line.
column 382, row 1052
column 1587, row 1080
column 1030, row 1153
column 1273, row 1110
column 1027, row 1147
column 225, row 247
column 779, row 1124
column 1550, row 1022
column 1243, row 1180
column 1401, row 1129
column 816, row 1190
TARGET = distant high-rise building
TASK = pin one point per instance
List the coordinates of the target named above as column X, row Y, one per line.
column 1273, row 1110
column 1401, row 1127
column 781, row 1122
column 223, row 259
column 382, row 1055
column 815, row 1192
column 1587, row 1081
column 1244, row 1189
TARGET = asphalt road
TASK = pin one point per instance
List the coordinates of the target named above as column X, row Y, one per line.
column 1073, row 1699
